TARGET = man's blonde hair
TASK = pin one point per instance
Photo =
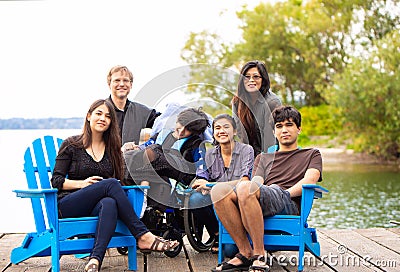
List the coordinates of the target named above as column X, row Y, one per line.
column 117, row 69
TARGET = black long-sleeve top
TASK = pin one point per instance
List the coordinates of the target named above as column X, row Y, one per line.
column 75, row 163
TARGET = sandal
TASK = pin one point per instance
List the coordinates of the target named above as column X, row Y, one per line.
column 92, row 267
column 227, row 267
column 215, row 246
column 166, row 245
column 261, row 267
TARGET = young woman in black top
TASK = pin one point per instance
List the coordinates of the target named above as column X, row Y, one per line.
column 87, row 173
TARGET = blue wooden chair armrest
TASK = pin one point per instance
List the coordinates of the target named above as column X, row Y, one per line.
column 316, row 187
column 34, row 193
column 318, row 190
column 129, row 187
column 309, row 193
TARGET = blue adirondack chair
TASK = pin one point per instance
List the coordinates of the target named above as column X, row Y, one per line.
column 286, row 232
column 56, row 237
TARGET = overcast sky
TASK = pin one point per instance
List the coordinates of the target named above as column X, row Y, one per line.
column 55, row 55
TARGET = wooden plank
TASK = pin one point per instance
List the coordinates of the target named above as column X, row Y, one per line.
column 275, row 267
column 38, row 264
column 67, row 262
column 344, row 261
column 160, row 262
column 70, row 263
column 114, row 261
column 383, row 237
column 273, row 263
column 360, row 243
column 371, row 252
column 111, row 262
column 394, row 230
column 205, row 261
column 288, row 260
column 199, row 261
column 7, row 243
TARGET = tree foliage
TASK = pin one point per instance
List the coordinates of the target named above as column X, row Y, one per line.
column 219, row 83
column 304, row 43
column 317, row 52
column 368, row 94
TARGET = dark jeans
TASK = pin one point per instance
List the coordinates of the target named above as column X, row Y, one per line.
column 202, row 209
column 107, row 200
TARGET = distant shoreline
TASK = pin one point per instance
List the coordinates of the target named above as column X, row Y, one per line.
column 329, row 155
column 42, row 123
column 342, row 155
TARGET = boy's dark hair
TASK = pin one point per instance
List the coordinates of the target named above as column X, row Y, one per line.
column 283, row 113
column 194, row 120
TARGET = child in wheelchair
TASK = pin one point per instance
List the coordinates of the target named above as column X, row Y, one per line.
column 167, row 162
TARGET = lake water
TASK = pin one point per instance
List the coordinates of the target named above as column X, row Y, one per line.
column 16, row 213
column 361, row 196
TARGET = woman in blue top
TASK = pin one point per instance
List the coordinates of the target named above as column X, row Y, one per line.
column 227, row 160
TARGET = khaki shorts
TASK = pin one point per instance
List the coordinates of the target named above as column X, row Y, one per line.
column 274, row 200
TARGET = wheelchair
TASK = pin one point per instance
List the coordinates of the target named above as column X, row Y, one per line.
column 175, row 221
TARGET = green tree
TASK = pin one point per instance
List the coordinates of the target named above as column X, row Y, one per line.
column 341, row 53
column 304, row 44
column 368, row 94
column 208, row 77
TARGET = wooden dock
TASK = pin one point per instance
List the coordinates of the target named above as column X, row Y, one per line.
column 376, row 249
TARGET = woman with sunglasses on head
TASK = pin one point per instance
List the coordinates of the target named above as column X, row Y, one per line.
column 86, row 175
column 252, row 106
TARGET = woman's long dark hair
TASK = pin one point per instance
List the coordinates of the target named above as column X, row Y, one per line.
column 241, row 99
column 111, row 137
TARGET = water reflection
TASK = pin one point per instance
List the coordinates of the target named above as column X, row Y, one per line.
column 360, row 196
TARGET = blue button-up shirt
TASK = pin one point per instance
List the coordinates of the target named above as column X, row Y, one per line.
column 214, row 170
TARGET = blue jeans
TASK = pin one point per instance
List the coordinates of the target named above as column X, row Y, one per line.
column 202, row 209
column 107, row 200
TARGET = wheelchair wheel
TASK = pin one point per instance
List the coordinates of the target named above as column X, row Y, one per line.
column 122, row 250
column 194, row 233
column 173, row 235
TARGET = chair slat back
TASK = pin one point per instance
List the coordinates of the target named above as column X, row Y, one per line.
column 39, row 161
column 43, row 168
column 30, row 174
column 52, row 146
